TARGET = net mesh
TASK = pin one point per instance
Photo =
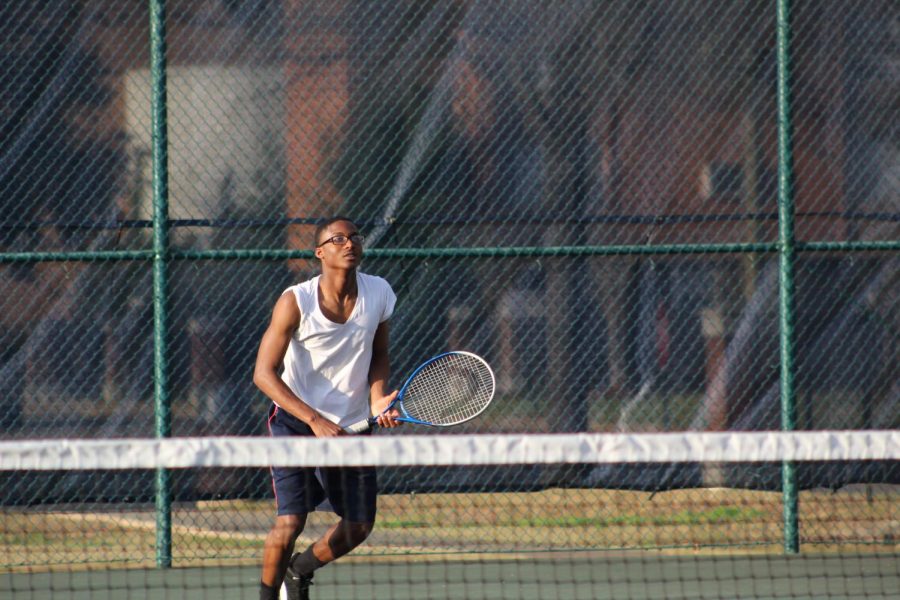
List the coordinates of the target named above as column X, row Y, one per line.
column 441, row 125
column 463, row 524
column 451, row 389
column 584, row 193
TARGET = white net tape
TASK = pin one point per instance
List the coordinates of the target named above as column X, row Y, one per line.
column 428, row 450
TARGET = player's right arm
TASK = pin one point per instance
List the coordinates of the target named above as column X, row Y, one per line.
column 272, row 348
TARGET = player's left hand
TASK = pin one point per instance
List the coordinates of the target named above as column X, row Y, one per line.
column 388, row 418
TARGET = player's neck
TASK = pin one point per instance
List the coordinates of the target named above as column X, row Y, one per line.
column 338, row 283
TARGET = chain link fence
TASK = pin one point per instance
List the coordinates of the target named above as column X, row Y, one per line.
column 586, row 193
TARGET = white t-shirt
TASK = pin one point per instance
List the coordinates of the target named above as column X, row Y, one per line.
column 327, row 363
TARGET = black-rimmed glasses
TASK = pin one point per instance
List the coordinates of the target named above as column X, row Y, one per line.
column 341, row 239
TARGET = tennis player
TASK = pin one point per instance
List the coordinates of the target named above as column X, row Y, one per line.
column 330, row 334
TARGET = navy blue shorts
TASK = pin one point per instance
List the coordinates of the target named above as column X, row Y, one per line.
column 351, row 491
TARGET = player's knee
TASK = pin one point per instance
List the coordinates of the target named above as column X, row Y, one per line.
column 287, row 528
column 357, row 532
column 366, row 529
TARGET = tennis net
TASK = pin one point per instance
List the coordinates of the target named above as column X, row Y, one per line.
column 676, row 515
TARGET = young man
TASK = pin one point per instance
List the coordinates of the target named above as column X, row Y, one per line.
column 331, row 335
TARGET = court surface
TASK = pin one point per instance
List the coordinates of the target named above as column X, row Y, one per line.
column 571, row 577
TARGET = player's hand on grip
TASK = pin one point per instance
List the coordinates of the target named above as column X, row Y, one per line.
column 386, row 416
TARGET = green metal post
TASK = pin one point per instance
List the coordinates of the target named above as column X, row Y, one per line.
column 786, row 264
column 160, row 272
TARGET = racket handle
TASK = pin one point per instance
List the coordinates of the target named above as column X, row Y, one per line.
column 361, row 426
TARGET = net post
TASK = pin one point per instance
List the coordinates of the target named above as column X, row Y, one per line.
column 159, row 149
column 786, row 268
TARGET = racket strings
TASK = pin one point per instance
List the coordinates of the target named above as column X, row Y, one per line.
column 450, row 390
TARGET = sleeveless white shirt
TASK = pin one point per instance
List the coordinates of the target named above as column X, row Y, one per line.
column 327, row 363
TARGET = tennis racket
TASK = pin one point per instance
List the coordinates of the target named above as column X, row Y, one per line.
column 449, row 389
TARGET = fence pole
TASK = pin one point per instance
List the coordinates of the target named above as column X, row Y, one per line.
column 786, row 267
column 160, row 175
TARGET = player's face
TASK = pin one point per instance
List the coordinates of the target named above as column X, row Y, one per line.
column 340, row 245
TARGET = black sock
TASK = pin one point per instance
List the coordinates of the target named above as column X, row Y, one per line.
column 267, row 592
column 304, row 563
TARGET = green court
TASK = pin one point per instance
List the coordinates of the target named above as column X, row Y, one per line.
column 637, row 575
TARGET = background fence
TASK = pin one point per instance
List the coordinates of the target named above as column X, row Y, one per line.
column 587, row 193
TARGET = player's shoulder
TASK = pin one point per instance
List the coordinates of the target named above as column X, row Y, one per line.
column 378, row 290
column 302, row 294
column 304, row 287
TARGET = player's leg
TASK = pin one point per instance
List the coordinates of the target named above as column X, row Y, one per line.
column 297, row 492
column 279, row 546
column 353, row 493
column 341, row 538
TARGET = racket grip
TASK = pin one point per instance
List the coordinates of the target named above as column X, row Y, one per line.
column 361, row 426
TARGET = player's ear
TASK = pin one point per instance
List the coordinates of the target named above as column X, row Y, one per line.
column 319, row 252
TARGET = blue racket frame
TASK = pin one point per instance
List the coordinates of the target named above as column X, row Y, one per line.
column 371, row 422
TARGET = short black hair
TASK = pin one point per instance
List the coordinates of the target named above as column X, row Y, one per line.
column 327, row 223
